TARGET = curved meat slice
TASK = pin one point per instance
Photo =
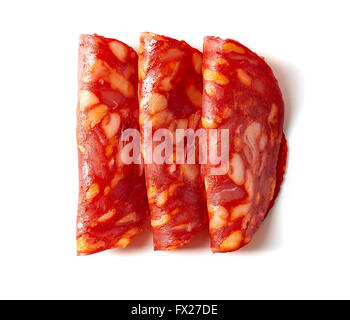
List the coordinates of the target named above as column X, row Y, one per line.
column 170, row 96
column 112, row 195
column 242, row 95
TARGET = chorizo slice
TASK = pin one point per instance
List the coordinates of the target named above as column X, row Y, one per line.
column 170, row 97
column 241, row 94
column 112, row 205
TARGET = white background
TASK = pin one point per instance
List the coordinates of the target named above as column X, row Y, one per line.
column 302, row 249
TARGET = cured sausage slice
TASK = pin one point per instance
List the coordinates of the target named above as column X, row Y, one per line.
column 112, row 195
column 170, row 96
column 242, row 95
